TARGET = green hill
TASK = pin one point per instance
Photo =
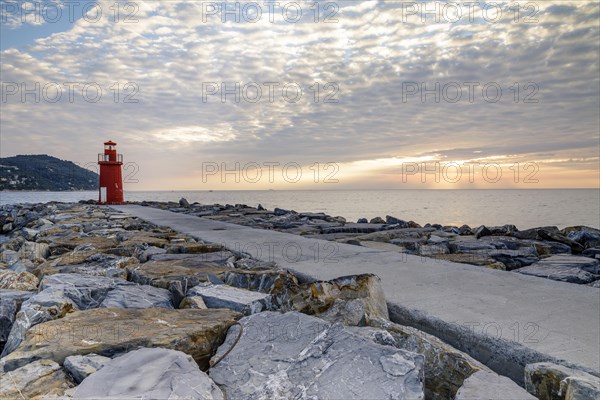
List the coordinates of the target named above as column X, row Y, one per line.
column 43, row 172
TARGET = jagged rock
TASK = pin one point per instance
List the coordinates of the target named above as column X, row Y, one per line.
column 395, row 221
column 362, row 221
column 320, row 296
column 225, row 296
column 280, row 211
column 504, row 230
column 259, row 280
column 184, row 203
column 482, row 231
column 80, row 367
column 43, row 378
column 33, row 251
column 559, row 273
column 87, row 292
column 18, row 281
column 548, row 381
column 566, row 268
column 294, row 355
column 23, row 265
column 585, row 238
column 560, row 238
column 312, row 215
column 569, row 229
column 377, row 220
column 137, row 296
column 446, row 368
column 533, row 233
column 465, row 230
column 158, row 374
column 8, row 309
column 19, row 296
column 144, row 252
column 63, row 293
column 76, row 256
column 109, row 331
column 37, row 309
column 549, row 248
column 9, row 257
column 489, row 385
column 471, row 247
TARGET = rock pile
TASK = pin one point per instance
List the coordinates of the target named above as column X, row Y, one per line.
column 569, row 255
column 98, row 304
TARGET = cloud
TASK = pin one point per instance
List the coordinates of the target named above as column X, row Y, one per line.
column 166, row 55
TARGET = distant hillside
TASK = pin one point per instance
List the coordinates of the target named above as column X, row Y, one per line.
column 43, row 172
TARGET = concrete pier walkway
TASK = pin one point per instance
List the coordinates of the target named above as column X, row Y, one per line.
column 503, row 319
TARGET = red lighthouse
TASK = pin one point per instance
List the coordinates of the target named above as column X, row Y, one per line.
column 111, row 182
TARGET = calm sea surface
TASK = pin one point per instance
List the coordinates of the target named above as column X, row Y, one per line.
column 524, row 208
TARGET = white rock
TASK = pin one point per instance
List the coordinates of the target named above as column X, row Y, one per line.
column 149, row 374
column 224, row 296
column 296, row 356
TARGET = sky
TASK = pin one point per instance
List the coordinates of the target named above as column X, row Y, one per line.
column 250, row 95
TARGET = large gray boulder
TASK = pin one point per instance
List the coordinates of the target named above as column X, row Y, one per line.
column 294, row 355
column 485, row 385
column 566, row 268
column 137, row 296
column 224, row 296
column 149, row 373
column 62, row 293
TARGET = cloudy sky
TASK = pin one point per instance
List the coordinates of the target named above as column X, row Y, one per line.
column 369, row 94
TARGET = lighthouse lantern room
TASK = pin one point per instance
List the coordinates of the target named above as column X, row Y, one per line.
column 110, row 189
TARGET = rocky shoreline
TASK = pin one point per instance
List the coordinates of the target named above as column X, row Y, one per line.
column 570, row 255
column 98, row 304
